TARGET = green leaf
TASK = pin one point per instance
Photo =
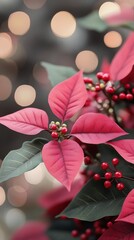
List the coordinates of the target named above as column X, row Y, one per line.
column 60, row 235
column 128, row 25
column 56, row 73
column 93, row 22
column 23, row 159
column 94, row 201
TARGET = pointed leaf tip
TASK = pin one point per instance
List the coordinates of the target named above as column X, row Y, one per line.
column 96, row 128
column 63, row 160
column 125, row 148
column 123, row 61
column 127, row 211
column 68, row 97
column 28, row 121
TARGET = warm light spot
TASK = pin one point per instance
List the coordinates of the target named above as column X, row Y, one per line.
column 6, row 46
column 19, row 23
column 39, row 73
column 36, row 175
column 86, row 61
column 25, row 95
column 14, row 218
column 113, row 39
column 5, row 88
column 2, row 196
column 34, row 4
column 108, row 8
column 17, row 196
column 63, row 24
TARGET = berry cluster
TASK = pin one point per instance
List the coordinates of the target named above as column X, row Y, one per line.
column 57, row 129
column 110, row 175
column 97, row 228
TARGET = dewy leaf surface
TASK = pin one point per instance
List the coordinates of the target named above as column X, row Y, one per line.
column 94, row 202
column 96, row 128
column 123, row 61
column 28, row 121
column 127, row 211
column 125, row 148
column 22, row 160
column 119, row 231
column 56, row 73
column 66, row 98
column 63, row 160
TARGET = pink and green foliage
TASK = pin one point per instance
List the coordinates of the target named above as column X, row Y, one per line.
column 97, row 138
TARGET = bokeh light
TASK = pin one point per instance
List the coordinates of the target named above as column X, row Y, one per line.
column 5, row 87
column 6, row 46
column 34, row 4
column 25, row 95
column 14, row 218
column 63, row 24
column 2, row 196
column 36, row 175
column 108, row 8
column 17, row 196
column 86, row 61
column 113, row 39
column 19, row 23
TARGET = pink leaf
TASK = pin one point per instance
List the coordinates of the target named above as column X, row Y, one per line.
column 63, row 160
column 28, row 121
column 119, row 231
column 126, row 15
column 127, row 211
column 123, row 61
column 125, row 148
column 96, row 128
column 66, row 98
column 31, row 230
column 57, row 199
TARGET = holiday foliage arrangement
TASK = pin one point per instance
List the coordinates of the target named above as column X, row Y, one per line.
column 90, row 152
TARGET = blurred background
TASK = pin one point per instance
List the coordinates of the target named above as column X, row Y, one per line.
column 32, row 31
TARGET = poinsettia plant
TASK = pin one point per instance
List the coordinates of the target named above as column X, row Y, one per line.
column 90, row 133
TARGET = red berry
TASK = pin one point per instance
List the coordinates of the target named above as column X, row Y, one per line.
column 115, row 97
column 107, row 184
column 122, row 96
column 104, row 165
column 129, row 96
column 106, row 77
column 120, row 186
column 115, row 161
column 83, row 236
column 99, row 75
column 88, row 80
column 98, row 230
column 96, row 224
column 64, row 130
column 88, row 232
column 97, row 177
column 110, row 90
column 87, row 160
column 118, row 174
column 109, row 224
column 97, row 88
column 54, row 135
column 108, row 175
column 53, row 126
column 74, row 233
column 127, row 86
